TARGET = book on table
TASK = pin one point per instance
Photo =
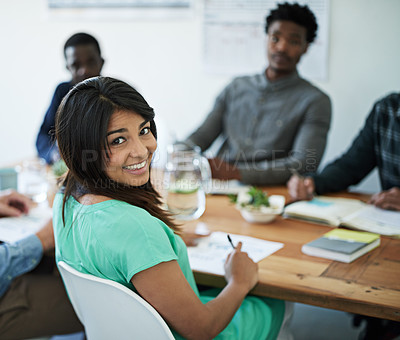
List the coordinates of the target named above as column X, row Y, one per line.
column 342, row 245
column 352, row 213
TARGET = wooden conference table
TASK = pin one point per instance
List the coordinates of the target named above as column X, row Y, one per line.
column 370, row 285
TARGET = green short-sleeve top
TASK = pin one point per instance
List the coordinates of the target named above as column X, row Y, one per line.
column 96, row 239
column 115, row 240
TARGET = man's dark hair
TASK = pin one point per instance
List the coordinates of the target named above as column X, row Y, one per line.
column 81, row 39
column 301, row 15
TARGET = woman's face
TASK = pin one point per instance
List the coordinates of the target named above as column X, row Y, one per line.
column 131, row 148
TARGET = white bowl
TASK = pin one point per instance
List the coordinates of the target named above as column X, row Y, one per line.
column 264, row 214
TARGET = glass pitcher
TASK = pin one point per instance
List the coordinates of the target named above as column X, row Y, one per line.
column 187, row 178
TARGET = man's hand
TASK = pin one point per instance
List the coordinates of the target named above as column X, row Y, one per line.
column 301, row 188
column 14, row 204
column 389, row 199
column 223, row 170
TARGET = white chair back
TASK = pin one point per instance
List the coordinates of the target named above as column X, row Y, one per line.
column 109, row 310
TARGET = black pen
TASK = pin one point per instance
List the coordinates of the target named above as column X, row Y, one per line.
column 230, row 241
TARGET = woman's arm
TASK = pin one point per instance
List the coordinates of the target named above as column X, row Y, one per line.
column 167, row 290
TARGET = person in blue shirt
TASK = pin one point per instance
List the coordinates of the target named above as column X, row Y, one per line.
column 31, row 304
column 83, row 60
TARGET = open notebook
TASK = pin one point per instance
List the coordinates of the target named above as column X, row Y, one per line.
column 210, row 253
column 347, row 212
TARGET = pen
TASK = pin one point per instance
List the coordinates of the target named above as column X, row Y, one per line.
column 230, row 241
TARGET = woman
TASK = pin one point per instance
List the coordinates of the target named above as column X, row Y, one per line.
column 108, row 221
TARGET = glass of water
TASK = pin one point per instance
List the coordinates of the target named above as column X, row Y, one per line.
column 32, row 180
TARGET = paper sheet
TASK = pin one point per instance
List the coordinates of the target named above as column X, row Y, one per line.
column 375, row 220
column 210, row 253
column 13, row 229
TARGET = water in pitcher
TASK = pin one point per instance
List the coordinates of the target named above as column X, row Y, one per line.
column 186, row 197
column 185, row 175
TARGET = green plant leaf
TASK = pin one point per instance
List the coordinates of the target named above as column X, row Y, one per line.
column 258, row 197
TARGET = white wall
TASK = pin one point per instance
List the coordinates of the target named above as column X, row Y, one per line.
column 163, row 59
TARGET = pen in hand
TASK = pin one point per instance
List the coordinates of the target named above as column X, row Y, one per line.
column 230, row 241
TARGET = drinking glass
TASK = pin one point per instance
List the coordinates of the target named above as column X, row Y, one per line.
column 32, row 179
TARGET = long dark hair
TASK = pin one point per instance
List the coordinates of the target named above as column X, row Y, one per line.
column 81, row 130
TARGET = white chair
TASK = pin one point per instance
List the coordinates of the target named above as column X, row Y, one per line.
column 109, row 310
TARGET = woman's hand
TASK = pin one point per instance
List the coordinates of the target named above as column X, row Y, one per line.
column 241, row 269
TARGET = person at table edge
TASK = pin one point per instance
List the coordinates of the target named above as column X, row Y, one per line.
column 376, row 146
column 274, row 121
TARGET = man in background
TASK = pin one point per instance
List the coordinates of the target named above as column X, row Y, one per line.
column 376, row 146
column 33, row 301
column 83, row 60
column 275, row 121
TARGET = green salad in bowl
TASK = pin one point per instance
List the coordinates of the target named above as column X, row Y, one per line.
column 257, row 206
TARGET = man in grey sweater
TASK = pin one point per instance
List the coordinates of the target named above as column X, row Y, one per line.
column 274, row 122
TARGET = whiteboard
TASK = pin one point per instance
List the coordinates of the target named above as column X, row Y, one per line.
column 117, row 3
column 100, row 10
column 235, row 40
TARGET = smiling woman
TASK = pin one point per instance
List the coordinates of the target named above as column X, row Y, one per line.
column 130, row 146
column 85, row 118
column 108, row 221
